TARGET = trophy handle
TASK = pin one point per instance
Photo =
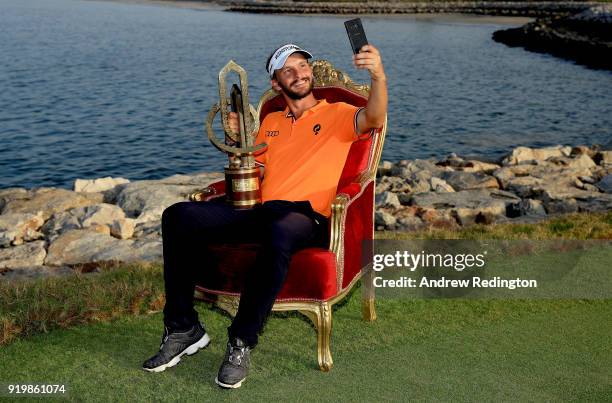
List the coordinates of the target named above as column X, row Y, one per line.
column 249, row 118
column 238, row 151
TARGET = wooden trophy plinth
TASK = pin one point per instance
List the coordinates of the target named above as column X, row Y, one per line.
column 242, row 187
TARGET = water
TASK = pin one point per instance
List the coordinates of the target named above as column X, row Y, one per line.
column 91, row 89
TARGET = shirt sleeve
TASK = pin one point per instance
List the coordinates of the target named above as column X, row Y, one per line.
column 348, row 117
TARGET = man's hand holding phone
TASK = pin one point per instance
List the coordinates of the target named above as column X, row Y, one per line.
column 369, row 58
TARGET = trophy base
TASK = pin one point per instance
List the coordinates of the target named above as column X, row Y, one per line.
column 242, row 187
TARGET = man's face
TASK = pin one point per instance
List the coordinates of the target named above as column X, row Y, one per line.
column 295, row 78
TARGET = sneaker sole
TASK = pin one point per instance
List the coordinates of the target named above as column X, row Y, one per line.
column 226, row 386
column 191, row 350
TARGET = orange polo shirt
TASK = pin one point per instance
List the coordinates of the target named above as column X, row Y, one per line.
column 305, row 156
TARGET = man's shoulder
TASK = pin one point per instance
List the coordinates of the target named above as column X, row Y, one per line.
column 339, row 107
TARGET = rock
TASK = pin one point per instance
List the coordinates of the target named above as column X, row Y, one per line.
column 410, row 223
column 384, row 169
column 387, row 199
column 440, row 185
column 104, row 214
column 132, row 251
column 384, row 219
column 604, row 158
column 561, row 206
column 146, row 200
column 579, row 150
column 46, row 200
column 593, row 202
column 526, row 207
column 123, row 228
column 9, row 194
column 19, row 227
column 468, row 206
column 466, row 180
column 605, row 184
column 583, row 37
column 28, row 254
column 77, row 246
column 420, row 185
column 437, row 218
column 393, row 184
column 580, row 162
column 98, row 185
column 148, row 229
column 84, row 246
column 460, row 164
column 82, row 217
column 521, row 155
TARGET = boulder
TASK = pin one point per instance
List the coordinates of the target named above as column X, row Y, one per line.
column 440, row 185
column 604, row 158
column 384, row 169
column 49, row 201
column 460, row 180
column 28, row 254
column 123, row 228
column 132, row 251
column 387, row 199
column 77, row 246
column 148, row 229
column 384, row 220
column 526, row 207
column 146, row 200
column 9, row 194
column 17, row 228
column 579, row 162
column 605, row 184
column 83, row 217
column 98, row 185
column 84, row 246
column 468, row 206
column 521, row 155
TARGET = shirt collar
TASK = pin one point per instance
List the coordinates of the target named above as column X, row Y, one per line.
column 320, row 103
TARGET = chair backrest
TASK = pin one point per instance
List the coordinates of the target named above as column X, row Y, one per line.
column 335, row 86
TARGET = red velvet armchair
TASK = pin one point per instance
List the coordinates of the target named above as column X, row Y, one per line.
column 317, row 277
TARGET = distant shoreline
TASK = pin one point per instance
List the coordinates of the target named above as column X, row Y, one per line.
column 454, row 10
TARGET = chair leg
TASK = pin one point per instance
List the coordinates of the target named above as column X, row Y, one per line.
column 368, row 308
column 321, row 316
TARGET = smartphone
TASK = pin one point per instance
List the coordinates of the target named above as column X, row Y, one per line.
column 356, row 34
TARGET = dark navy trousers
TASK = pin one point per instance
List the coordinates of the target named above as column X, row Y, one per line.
column 280, row 227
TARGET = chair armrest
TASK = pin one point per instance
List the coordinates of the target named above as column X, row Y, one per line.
column 351, row 222
column 212, row 191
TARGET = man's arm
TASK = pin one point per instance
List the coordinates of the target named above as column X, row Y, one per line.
column 373, row 116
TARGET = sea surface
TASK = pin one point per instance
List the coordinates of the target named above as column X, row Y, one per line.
column 90, row 89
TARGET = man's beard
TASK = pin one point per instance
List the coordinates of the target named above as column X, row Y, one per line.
column 297, row 95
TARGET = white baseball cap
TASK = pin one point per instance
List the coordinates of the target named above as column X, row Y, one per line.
column 280, row 55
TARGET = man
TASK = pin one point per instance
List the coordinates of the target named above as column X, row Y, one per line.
column 307, row 147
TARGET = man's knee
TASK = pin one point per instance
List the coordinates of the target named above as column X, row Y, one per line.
column 290, row 231
column 175, row 215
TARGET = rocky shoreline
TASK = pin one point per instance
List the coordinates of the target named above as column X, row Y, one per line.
column 585, row 37
column 52, row 231
column 497, row 8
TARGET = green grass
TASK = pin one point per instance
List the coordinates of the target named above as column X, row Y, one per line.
column 417, row 350
column 92, row 332
column 569, row 226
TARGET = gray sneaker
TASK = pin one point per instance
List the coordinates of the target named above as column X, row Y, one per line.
column 235, row 366
column 176, row 344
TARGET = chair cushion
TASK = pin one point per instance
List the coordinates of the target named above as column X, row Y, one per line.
column 311, row 275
